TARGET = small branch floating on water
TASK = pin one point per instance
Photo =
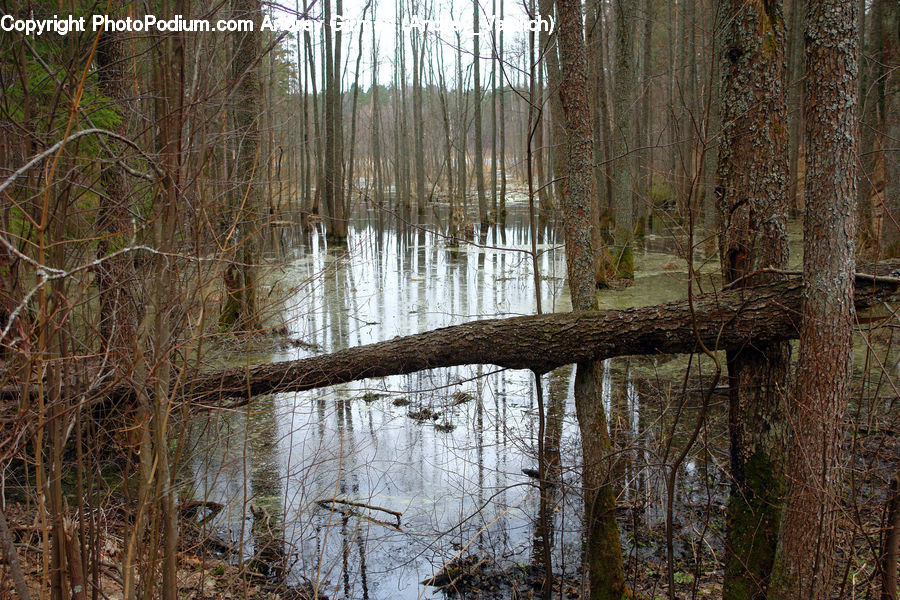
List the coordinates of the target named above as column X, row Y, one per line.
column 329, row 504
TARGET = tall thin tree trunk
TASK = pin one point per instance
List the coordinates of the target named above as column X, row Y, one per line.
column 495, row 59
column 545, row 210
column 341, row 204
column 116, row 276
column 461, row 130
column 623, row 140
column 644, row 123
column 550, row 52
column 355, row 100
column 795, row 98
column 375, row 117
column 452, row 223
column 891, row 126
column 241, row 308
column 501, row 210
column 405, row 183
column 317, row 130
column 329, row 169
column 479, row 143
column 169, row 79
column 418, row 52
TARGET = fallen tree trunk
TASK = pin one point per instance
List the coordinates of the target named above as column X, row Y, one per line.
column 725, row 320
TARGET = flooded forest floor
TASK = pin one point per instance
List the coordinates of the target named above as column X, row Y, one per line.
column 425, row 485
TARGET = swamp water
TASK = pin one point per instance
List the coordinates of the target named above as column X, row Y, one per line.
column 367, row 489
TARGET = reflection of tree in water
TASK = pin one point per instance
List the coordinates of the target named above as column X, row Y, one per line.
column 348, row 487
column 266, row 503
column 549, row 486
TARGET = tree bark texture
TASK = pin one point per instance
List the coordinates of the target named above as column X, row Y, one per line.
column 891, row 115
column 728, row 320
column 116, row 278
column 623, row 139
column 752, row 198
column 603, row 552
column 240, row 276
column 804, row 562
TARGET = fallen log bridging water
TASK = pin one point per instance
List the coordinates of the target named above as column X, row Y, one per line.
column 723, row 320
column 726, row 320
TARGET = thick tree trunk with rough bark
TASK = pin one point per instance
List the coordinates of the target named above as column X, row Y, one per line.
column 752, row 199
column 603, row 552
column 806, row 548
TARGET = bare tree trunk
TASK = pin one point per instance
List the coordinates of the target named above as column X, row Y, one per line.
column 341, row 204
column 479, row 143
column 332, row 192
column 452, row 224
column 550, row 52
column 870, row 132
column 375, row 117
column 418, row 52
column 461, row 132
column 169, row 83
column 116, row 276
column 317, row 129
column 405, row 189
column 644, row 123
column 599, row 119
column 891, row 127
column 350, row 183
column 241, row 308
column 795, row 99
column 805, row 557
column 752, row 189
column 545, row 209
column 712, row 123
column 603, row 552
column 501, row 210
column 494, row 60
column 623, row 140
column 674, row 55
column 603, row 182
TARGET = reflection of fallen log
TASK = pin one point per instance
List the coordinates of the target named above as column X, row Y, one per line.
column 330, row 503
